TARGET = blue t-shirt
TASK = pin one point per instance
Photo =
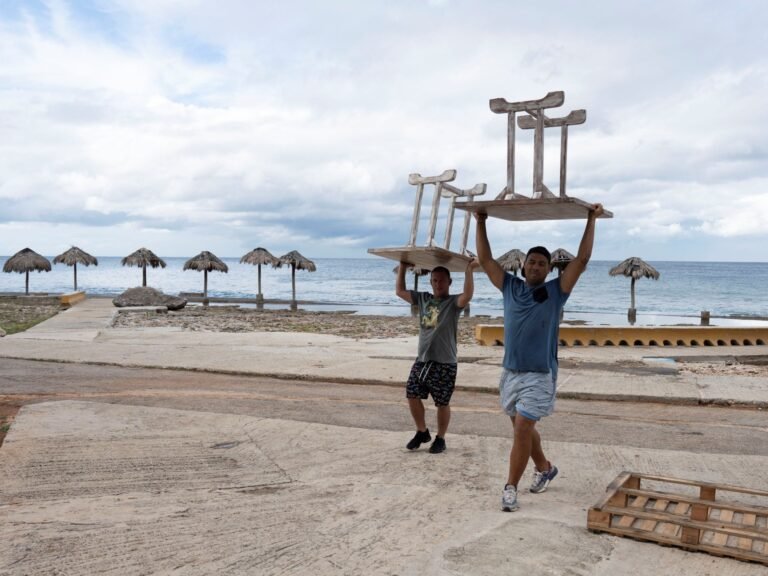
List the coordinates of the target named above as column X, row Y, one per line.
column 531, row 324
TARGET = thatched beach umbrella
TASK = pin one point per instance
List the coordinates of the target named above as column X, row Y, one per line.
column 634, row 268
column 560, row 258
column 512, row 261
column 143, row 257
column 257, row 257
column 296, row 260
column 205, row 261
column 416, row 271
column 25, row 261
column 73, row 257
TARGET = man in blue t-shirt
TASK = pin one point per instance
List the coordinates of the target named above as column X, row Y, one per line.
column 434, row 371
column 531, row 322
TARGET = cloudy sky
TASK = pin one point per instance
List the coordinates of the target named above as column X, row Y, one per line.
column 189, row 125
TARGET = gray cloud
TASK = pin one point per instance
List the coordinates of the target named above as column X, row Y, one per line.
column 213, row 123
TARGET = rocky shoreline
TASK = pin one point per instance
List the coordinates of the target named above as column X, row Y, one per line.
column 236, row 319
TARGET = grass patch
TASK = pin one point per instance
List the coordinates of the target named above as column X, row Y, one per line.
column 18, row 315
column 14, row 327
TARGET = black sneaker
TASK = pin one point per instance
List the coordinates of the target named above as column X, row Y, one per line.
column 419, row 439
column 437, row 446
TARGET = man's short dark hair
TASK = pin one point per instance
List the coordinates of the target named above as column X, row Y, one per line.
column 537, row 250
column 441, row 269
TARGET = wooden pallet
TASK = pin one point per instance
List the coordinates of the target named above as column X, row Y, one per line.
column 693, row 521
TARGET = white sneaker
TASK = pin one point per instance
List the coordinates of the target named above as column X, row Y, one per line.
column 542, row 479
column 509, row 499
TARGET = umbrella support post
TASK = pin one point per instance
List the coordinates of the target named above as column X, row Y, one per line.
column 632, row 315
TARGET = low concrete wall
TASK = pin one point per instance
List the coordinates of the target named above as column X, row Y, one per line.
column 490, row 335
column 71, row 298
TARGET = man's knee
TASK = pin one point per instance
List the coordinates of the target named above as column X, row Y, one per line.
column 523, row 425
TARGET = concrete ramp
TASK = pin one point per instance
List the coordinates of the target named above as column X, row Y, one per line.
column 91, row 489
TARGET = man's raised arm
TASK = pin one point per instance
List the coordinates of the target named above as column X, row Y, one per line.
column 469, row 284
column 574, row 269
column 492, row 268
column 400, row 289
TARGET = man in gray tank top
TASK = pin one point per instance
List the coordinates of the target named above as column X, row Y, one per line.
column 434, row 371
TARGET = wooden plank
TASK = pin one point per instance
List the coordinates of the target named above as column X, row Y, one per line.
column 617, row 483
column 446, row 176
column 746, row 543
column 551, row 100
column 572, row 119
column 425, row 257
column 670, row 529
column 527, row 209
column 720, row 539
column 729, row 529
column 650, row 524
column 627, row 520
column 693, row 500
column 720, row 487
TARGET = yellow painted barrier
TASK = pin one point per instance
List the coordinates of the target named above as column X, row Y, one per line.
column 71, row 298
column 492, row 334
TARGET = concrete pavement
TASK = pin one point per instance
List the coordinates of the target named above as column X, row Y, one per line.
column 82, row 334
column 92, row 488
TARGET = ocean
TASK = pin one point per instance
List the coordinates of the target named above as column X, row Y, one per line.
column 366, row 286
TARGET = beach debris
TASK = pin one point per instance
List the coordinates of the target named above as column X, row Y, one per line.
column 145, row 296
column 258, row 257
column 73, row 257
column 296, row 261
column 26, row 261
column 207, row 262
column 143, row 257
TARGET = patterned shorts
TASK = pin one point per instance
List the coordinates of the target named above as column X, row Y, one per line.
column 432, row 378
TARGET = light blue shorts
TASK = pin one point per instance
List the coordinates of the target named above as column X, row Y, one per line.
column 530, row 394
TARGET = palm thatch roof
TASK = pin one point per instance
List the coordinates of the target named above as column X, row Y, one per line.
column 296, row 260
column 26, row 260
column 560, row 258
column 258, row 256
column 635, row 268
column 512, row 261
column 143, row 257
column 206, row 261
column 75, row 256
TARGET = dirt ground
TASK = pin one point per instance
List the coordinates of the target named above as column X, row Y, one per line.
column 8, row 411
column 235, row 319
